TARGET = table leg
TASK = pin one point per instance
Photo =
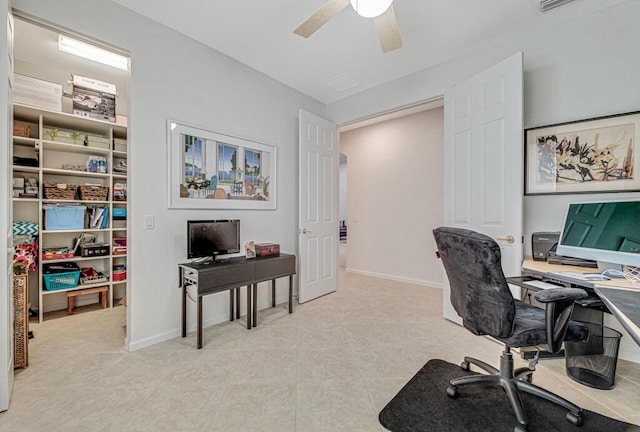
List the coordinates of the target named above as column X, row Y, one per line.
column 237, row 302
column 290, row 293
column 184, row 308
column 231, row 312
column 199, row 322
column 255, row 304
column 248, row 307
column 273, row 293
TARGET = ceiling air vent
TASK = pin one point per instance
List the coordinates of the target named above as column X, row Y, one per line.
column 547, row 5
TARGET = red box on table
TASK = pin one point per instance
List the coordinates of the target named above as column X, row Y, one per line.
column 267, row 249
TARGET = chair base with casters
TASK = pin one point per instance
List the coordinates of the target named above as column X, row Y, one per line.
column 480, row 295
column 512, row 381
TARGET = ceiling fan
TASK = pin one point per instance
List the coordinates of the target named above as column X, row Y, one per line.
column 384, row 18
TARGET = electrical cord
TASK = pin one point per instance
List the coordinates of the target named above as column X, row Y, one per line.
column 632, row 275
column 188, row 294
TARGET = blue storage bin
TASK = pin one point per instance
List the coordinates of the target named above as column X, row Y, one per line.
column 64, row 217
column 119, row 213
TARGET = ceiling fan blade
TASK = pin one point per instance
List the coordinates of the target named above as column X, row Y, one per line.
column 320, row 17
column 388, row 32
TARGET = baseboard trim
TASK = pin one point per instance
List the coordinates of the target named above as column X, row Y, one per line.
column 152, row 340
column 396, row 278
column 214, row 320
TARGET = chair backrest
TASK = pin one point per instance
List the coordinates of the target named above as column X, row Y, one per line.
column 479, row 291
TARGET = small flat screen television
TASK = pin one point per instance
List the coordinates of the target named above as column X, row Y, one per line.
column 607, row 232
column 210, row 238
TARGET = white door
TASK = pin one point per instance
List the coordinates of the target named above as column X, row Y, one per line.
column 6, row 259
column 483, row 159
column 318, row 197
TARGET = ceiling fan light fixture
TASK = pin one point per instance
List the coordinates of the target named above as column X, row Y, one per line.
column 370, row 8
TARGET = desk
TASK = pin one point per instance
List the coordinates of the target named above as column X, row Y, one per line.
column 620, row 297
column 230, row 275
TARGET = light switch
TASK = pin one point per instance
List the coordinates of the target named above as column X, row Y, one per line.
column 149, row 222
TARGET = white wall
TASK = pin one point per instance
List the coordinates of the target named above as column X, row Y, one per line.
column 395, row 197
column 585, row 68
column 174, row 77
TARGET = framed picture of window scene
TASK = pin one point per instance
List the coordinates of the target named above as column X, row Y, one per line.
column 589, row 156
column 212, row 170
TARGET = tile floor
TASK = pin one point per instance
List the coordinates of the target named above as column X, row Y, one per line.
column 330, row 366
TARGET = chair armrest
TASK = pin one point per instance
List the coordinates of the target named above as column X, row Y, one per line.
column 559, row 306
column 560, row 294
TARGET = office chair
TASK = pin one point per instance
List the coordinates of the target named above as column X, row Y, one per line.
column 481, row 296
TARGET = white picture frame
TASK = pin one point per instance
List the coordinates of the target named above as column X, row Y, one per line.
column 214, row 170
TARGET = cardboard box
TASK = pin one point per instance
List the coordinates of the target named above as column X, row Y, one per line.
column 63, row 135
column 21, row 130
column 120, row 144
column 98, row 142
column 94, row 99
column 37, row 93
column 94, row 249
column 18, row 186
column 121, row 120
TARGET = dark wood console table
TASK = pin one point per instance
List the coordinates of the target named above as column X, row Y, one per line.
column 230, row 275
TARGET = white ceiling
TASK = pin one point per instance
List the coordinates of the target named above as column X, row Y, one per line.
column 260, row 34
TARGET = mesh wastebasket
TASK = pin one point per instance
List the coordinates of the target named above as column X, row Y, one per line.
column 593, row 362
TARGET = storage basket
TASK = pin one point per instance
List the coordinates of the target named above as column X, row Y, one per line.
column 57, row 254
column 58, row 281
column 93, row 193
column 89, row 280
column 60, row 191
column 20, row 322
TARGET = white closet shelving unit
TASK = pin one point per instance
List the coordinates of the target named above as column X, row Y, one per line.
column 51, row 156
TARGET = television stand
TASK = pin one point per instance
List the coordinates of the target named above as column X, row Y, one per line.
column 230, row 275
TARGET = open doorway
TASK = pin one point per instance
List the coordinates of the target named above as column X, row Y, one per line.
column 342, row 247
column 70, row 155
column 394, row 193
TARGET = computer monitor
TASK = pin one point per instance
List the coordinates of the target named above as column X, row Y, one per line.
column 607, row 232
column 210, row 238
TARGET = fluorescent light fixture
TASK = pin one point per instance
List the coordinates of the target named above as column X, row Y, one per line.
column 371, row 8
column 92, row 52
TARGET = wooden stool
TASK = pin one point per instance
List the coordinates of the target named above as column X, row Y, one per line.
column 102, row 292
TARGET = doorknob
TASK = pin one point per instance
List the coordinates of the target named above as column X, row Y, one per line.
column 306, row 231
column 509, row 239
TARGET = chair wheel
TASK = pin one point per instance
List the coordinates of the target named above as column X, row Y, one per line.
column 574, row 419
column 520, row 428
column 452, row 392
column 465, row 366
